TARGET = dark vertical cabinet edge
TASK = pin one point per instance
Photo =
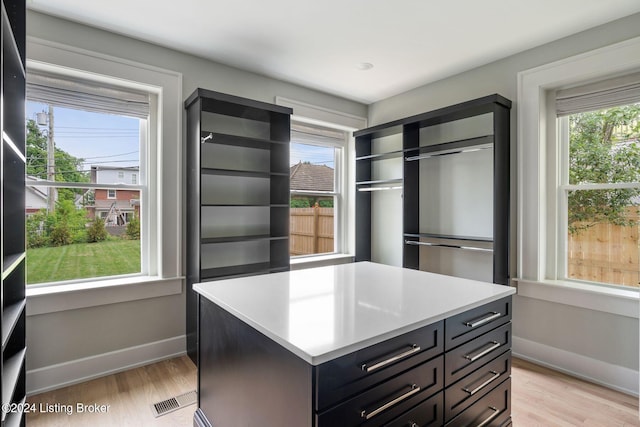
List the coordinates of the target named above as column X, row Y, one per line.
column 274, row 121
column 410, row 128
column 12, row 211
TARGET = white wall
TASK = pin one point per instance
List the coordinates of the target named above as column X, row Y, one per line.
column 591, row 343
column 75, row 343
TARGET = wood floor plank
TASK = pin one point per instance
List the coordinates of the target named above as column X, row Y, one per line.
column 540, row 397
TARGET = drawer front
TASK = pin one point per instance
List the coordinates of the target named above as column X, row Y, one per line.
column 471, row 388
column 466, row 358
column 425, row 414
column 493, row 410
column 470, row 324
column 388, row 400
column 349, row 375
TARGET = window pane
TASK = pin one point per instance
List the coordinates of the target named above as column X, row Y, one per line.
column 602, row 224
column 603, row 146
column 83, row 237
column 312, row 217
column 603, row 237
column 79, row 233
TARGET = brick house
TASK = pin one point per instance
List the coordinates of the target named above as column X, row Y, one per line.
column 116, row 206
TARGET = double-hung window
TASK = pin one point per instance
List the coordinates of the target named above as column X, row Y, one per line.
column 598, row 187
column 86, row 179
column 317, row 205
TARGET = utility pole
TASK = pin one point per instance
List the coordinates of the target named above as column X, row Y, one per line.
column 51, row 162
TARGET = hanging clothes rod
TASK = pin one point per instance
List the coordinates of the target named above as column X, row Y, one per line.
column 447, row 153
column 398, row 187
column 466, row 248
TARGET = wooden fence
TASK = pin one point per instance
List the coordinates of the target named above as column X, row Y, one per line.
column 311, row 231
column 606, row 253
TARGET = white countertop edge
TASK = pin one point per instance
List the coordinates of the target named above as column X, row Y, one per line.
column 331, row 355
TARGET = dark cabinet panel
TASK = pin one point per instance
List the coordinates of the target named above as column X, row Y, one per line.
column 493, row 410
column 472, row 323
column 387, row 400
column 348, row 375
column 237, row 192
column 12, row 211
column 468, row 357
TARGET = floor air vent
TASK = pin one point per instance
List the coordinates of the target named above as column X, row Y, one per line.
column 170, row 405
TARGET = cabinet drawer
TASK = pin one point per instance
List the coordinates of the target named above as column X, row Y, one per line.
column 468, row 357
column 425, row 414
column 348, row 375
column 471, row 388
column 388, row 400
column 470, row 324
column 493, row 410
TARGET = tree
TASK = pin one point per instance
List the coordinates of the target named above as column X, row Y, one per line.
column 604, row 148
column 67, row 167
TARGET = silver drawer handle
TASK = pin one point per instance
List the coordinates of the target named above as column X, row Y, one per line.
column 414, row 349
column 495, row 413
column 495, row 344
column 412, row 424
column 414, row 389
column 483, row 385
column 474, row 324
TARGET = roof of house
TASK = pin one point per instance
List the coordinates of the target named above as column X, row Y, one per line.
column 307, row 176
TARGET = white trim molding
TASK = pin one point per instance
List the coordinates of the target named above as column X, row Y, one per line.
column 535, row 226
column 80, row 370
column 612, row 376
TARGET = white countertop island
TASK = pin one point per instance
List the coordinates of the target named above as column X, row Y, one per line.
column 320, row 314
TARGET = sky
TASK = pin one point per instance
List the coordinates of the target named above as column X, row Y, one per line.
column 100, row 139
column 105, row 139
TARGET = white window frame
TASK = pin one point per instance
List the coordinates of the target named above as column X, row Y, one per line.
column 538, row 172
column 316, row 115
column 163, row 247
column 338, row 191
column 563, row 190
column 109, row 190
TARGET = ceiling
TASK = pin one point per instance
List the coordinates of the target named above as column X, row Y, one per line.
column 320, row 44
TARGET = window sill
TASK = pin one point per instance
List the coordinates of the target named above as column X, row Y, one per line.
column 72, row 296
column 623, row 302
column 300, row 263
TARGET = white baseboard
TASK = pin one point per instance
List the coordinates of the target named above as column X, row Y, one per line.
column 612, row 376
column 85, row 369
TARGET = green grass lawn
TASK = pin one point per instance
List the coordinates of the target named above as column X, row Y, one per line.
column 82, row 260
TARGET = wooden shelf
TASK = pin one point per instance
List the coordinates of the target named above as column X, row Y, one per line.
column 10, row 262
column 14, row 419
column 10, row 373
column 233, row 239
column 240, row 141
column 240, row 270
column 10, row 316
column 452, row 147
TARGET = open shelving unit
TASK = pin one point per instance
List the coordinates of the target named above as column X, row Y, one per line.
column 237, row 192
column 12, row 207
column 455, row 189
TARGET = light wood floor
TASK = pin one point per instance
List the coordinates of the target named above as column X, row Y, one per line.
column 540, row 397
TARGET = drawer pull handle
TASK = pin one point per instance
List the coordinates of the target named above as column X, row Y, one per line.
column 494, row 375
column 414, row 389
column 494, row 345
column 475, row 323
column 495, row 413
column 412, row 424
column 368, row 368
